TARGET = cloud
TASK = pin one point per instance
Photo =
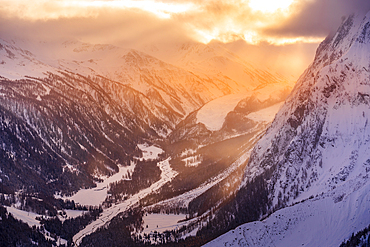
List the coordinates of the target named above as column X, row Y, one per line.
column 304, row 21
column 126, row 27
column 316, row 18
column 200, row 20
column 224, row 20
column 113, row 21
column 305, row 24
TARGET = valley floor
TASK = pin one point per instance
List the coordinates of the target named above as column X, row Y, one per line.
column 167, row 175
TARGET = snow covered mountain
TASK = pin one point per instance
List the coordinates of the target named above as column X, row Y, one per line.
column 77, row 121
column 217, row 63
column 198, row 172
column 314, row 158
column 178, row 88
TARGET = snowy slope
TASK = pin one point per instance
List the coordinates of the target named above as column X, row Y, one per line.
column 150, row 152
column 265, row 115
column 213, row 114
column 321, row 221
column 16, row 62
column 161, row 222
column 317, row 147
column 26, row 217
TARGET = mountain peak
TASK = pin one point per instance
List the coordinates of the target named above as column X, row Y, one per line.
column 354, row 32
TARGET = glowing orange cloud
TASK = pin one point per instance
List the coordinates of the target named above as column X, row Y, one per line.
column 270, row 6
column 254, row 21
column 46, row 9
column 238, row 19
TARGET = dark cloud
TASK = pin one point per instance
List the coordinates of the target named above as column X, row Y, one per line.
column 316, row 18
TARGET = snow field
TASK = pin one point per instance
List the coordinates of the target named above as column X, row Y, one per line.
column 149, row 152
column 30, row 219
column 162, row 222
column 213, row 114
column 321, row 221
column 26, row 217
column 96, row 196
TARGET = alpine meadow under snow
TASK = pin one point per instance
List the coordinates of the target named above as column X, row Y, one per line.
column 185, row 145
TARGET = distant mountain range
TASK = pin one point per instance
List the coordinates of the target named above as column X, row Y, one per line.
column 74, row 114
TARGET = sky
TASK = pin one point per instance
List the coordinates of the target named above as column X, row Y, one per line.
column 268, row 24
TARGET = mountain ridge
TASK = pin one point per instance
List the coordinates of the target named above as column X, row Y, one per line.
column 314, row 156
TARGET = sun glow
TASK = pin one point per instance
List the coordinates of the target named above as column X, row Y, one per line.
column 200, row 21
column 163, row 10
column 45, row 9
column 270, row 6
